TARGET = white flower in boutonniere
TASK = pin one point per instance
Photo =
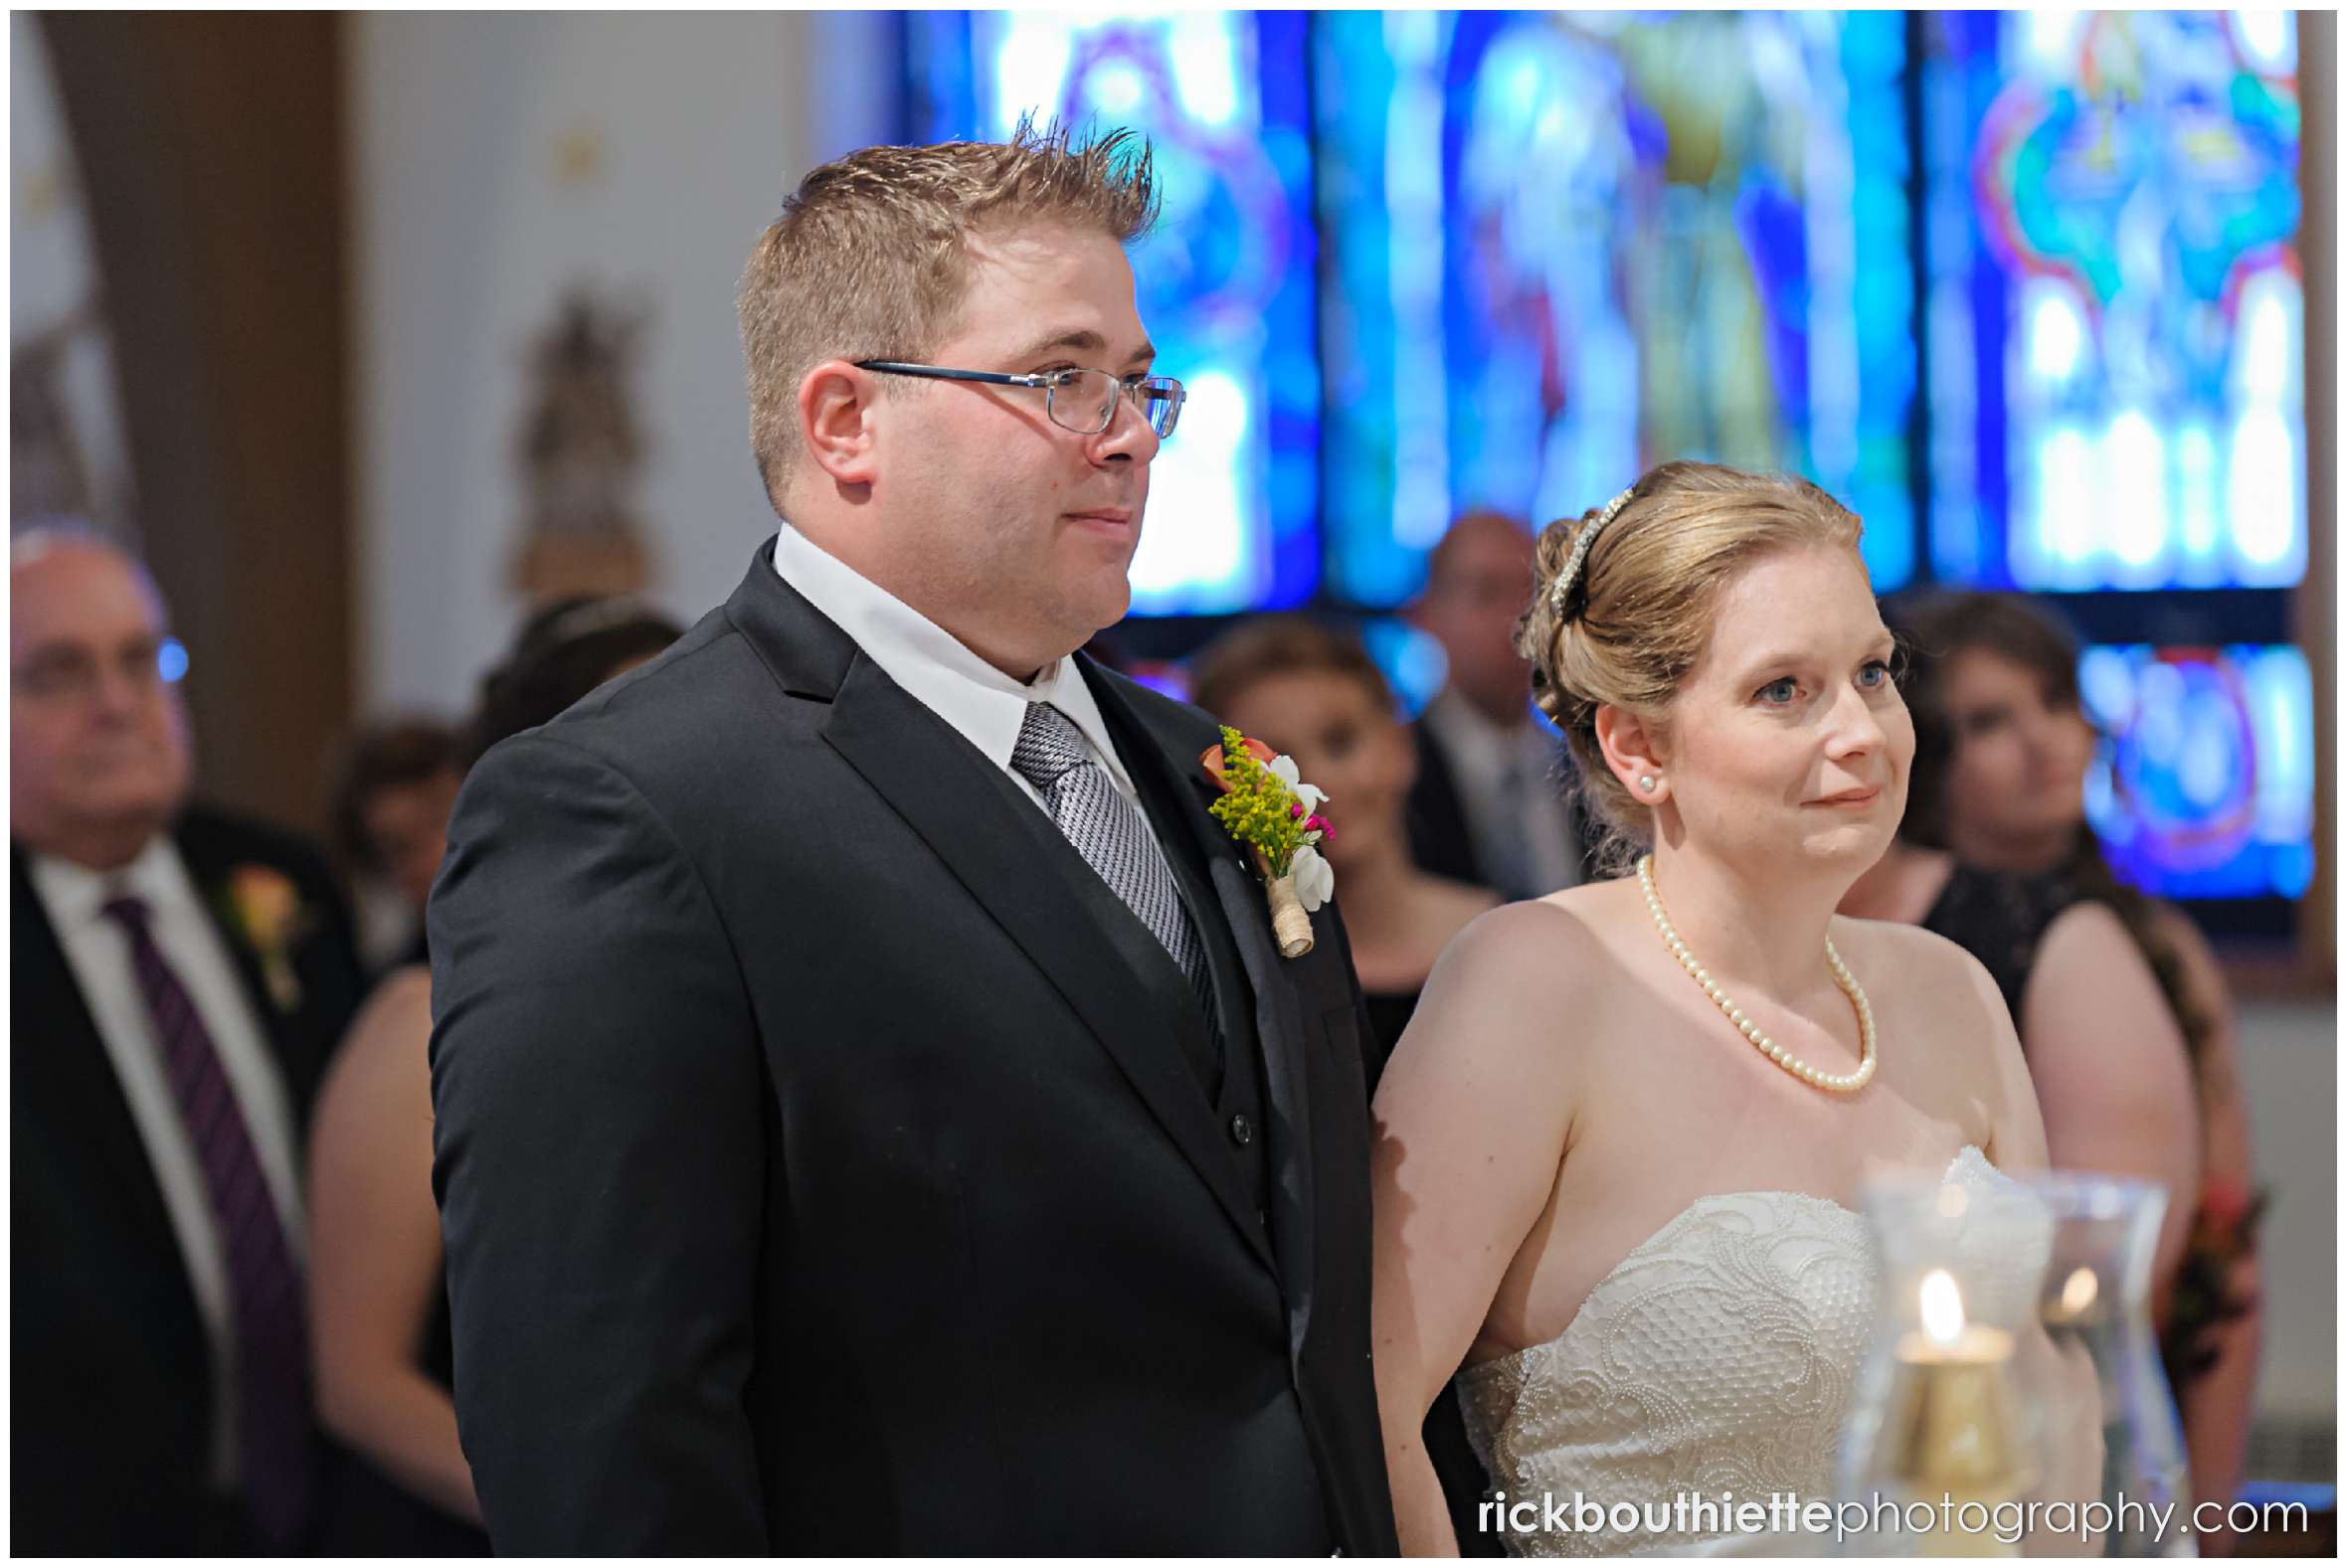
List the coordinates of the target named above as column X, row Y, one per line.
column 1266, row 808
column 1316, row 879
column 1307, row 795
column 267, row 912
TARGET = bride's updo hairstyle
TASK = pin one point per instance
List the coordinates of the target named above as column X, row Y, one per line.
column 1624, row 603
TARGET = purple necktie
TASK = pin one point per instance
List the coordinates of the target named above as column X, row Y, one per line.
column 265, row 1288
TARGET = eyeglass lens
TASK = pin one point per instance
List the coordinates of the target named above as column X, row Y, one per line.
column 1086, row 401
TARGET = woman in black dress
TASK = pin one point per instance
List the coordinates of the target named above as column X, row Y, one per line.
column 378, row 1307
column 2123, row 1009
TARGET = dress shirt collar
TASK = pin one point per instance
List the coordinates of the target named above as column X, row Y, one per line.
column 980, row 701
column 76, row 896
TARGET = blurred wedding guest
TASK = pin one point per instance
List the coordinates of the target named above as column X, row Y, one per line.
column 1317, row 696
column 395, row 785
column 377, row 1298
column 2124, row 1013
column 1487, row 806
column 180, row 975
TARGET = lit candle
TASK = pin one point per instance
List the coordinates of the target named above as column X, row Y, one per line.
column 1952, row 1433
column 2080, row 1302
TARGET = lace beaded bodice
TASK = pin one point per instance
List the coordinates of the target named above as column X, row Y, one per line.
column 1718, row 1357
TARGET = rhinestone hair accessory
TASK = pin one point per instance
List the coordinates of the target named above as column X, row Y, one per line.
column 1573, row 563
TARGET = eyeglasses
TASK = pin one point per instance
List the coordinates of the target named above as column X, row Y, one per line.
column 72, row 674
column 1083, row 400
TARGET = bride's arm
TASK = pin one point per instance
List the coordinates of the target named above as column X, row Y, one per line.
column 1472, row 1118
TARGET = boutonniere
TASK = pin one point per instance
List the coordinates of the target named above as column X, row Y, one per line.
column 266, row 911
column 1266, row 808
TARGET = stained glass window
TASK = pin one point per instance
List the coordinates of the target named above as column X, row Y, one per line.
column 2114, row 302
column 2206, row 788
column 1566, row 247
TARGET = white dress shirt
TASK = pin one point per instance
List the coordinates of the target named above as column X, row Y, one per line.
column 981, row 702
column 98, row 951
column 1510, row 787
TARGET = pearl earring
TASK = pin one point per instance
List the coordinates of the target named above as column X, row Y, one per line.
column 1646, row 782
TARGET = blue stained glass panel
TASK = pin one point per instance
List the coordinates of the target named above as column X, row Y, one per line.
column 1563, row 248
column 2205, row 788
column 1225, row 281
column 2114, row 308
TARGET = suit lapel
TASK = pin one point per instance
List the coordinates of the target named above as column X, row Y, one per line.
column 297, row 1041
column 62, row 1076
column 1096, row 952
column 1168, row 762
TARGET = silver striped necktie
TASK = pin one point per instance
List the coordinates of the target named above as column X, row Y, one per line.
column 1109, row 832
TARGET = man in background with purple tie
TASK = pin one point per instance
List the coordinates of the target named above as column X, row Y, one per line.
column 179, row 977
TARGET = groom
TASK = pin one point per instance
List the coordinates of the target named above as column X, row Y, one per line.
column 872, row 1114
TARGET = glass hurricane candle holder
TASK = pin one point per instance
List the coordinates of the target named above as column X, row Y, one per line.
column 2094, row 1305
column 2011, row 1400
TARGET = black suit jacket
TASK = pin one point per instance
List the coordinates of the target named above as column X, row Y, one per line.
column 821, row 1157
column 112, row 1389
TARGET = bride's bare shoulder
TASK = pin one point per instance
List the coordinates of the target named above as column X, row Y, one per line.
column 1496, row 1031
column 1537, row 953
column 1537, row 931
column 1934, row 977
column 1915, row 956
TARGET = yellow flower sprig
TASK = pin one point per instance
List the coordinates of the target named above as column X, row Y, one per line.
column 1259, row 808
column 1266, row 808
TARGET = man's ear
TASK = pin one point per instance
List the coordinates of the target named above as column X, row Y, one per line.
column 1634, row 751
column 836, row 420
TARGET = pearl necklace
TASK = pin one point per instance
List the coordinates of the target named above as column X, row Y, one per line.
column 1832, row 1083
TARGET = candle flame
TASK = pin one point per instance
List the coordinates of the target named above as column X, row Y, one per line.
column 2078, row 1290
column 1943, row 1307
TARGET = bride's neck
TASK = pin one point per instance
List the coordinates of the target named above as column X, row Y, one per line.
column 1768, row 930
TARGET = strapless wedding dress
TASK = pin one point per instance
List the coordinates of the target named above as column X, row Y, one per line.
column 1718, row 1357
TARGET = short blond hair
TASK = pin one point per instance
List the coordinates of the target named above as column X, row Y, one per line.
column 869, row 257
column 1636, row 619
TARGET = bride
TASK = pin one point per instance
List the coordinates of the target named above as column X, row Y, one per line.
column 1619, row 1146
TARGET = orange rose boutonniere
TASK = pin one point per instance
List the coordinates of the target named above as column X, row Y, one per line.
column 267, row 912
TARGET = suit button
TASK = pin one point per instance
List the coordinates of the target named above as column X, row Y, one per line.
column 1243, row 1132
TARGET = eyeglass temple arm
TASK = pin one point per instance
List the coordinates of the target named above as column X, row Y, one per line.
column 1178, row 396
column 939, row 372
